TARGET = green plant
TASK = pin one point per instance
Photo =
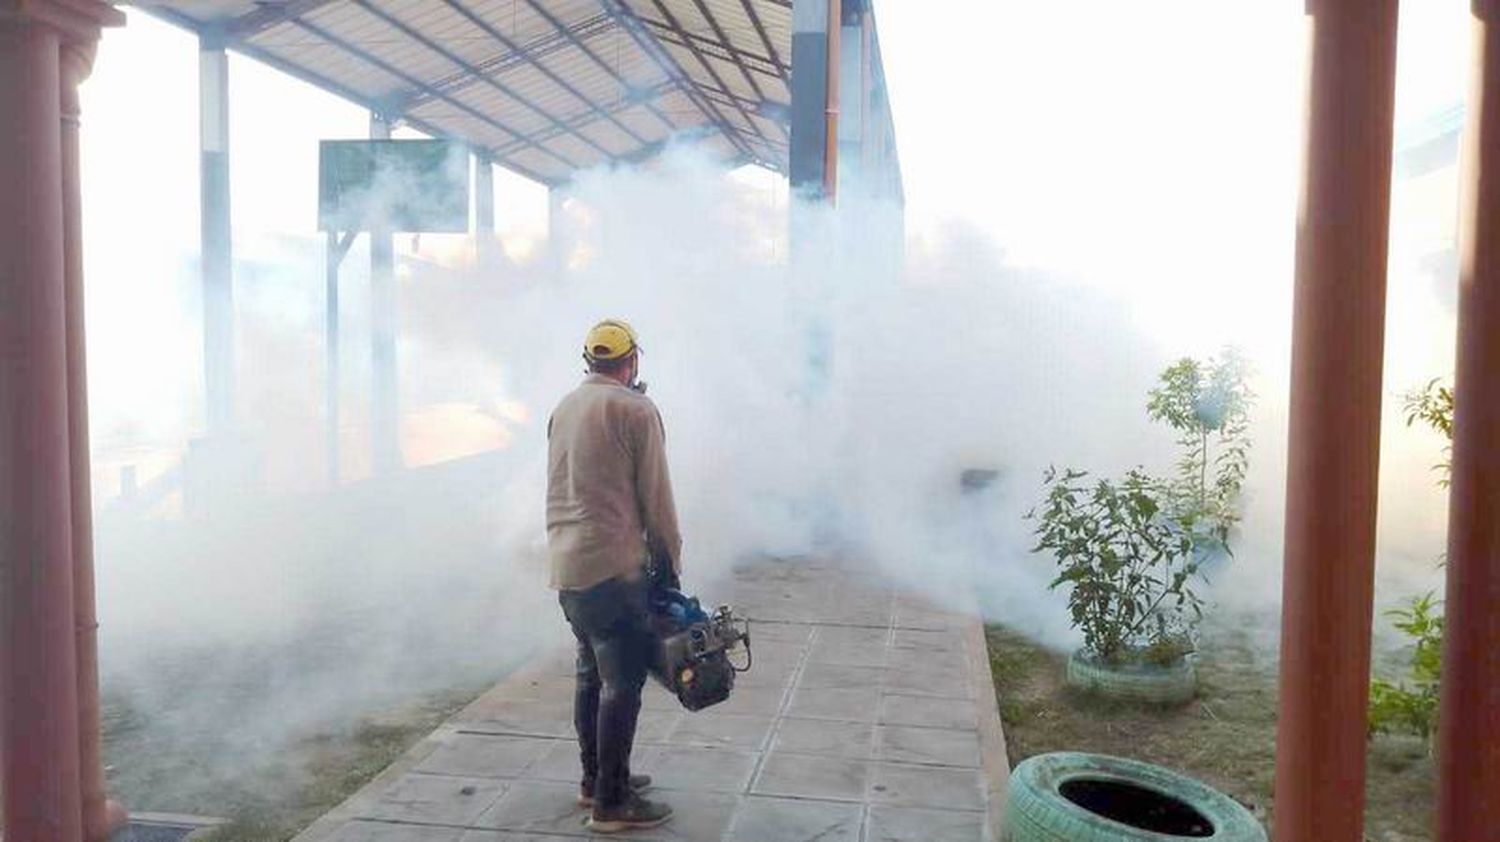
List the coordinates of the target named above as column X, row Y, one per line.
column 1129, row 567
column 1433, row 405
column 1208, row 403
column 1411, row 706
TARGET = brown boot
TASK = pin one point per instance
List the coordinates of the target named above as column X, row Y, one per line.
column 638, row 784
column 635, row 813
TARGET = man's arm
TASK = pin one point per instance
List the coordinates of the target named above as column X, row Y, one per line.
column 653, row 487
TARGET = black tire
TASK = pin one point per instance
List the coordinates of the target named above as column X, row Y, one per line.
column 1153, row 684
column 1038, row 811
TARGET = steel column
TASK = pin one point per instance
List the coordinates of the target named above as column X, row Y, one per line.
column 215, row 234
column 1334, row 445
column 484, row 208
column 1469, row 719
column 38, row 648
column 101, row 818
column 385, row 431
column 810, row 87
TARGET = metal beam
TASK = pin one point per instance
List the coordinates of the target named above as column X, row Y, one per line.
column 529, row 52
column 341, row 90
column 614, row 72
column 421, row 86
column 551, row 76
column 216, row 250
column 713, row 23
column 703, row 60
column 632, row 25
column 722, row 50
column 385, row 395
column 765, row 38
column 428, row 43
column 267, row 16
column 585, row 118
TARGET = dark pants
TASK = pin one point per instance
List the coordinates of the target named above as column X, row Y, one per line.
column 614, row 651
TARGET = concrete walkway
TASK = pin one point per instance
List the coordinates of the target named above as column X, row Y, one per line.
column 869, row 716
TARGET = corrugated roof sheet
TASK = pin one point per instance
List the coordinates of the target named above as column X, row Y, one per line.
column 544, row 86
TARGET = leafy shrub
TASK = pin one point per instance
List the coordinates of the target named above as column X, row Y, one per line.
column 1130, row 568
column 1433, row 405
column 1208, row 403
column 1411, row 706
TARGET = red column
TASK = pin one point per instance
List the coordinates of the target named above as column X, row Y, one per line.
column 1334, row 444
column 100, row 817
column 1469, row 721
column 38, row 689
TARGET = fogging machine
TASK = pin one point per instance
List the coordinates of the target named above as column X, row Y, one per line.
column 693, row 646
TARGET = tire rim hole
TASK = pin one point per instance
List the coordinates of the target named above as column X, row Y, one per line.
column 1137, row 807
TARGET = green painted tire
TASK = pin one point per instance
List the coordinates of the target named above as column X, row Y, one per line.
column 1037, row 810
column 1145, row 683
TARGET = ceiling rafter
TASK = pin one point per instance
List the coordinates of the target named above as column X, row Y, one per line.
column 533, row 50
column 552, row 76
column 267, row 16
column 711, row 112
column 614, row 72
column 458, row 60
column 719, row 50
column 703, row 60
column 579, row 120
column 419, row 85
column 765, row 39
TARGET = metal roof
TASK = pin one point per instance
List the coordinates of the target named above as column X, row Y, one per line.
column 546, row 87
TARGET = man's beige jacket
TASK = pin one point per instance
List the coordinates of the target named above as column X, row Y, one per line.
column 608, row 490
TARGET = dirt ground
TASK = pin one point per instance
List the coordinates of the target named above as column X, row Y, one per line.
column 1225, row 737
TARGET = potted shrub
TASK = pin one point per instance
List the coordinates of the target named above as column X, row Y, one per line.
column 1207, row 402
column 1130, row 569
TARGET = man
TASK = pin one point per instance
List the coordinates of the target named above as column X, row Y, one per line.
column 609, row 509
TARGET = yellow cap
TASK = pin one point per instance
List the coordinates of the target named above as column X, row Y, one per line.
column 610, row 339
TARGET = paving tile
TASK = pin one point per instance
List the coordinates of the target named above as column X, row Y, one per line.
column 941, row 641
column 560, row 764
column 762, row 819
column 926, row 786
column 538, row 807
column 842, row 636
column 522, row 716
column 795, row 634
column 721, row 730
column 752, row 701
column 851, row 740
column 844, row 705
column 904, row 744
column 504, row 836
column 485, row 756
column 917, row 659
column 931, row 712
column 436, row 799
column 810, row 776
column 372, row 831
column 696, row 817
column 928, row 680
column 696, row 768
column 919, row 824
column 856, row 654
column 841, row 677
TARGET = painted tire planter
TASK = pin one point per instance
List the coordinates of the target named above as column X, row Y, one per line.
column 1070, row 797
column 1155, row 684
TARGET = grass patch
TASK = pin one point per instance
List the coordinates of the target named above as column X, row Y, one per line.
column 265, row 802
column 1225, row 737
